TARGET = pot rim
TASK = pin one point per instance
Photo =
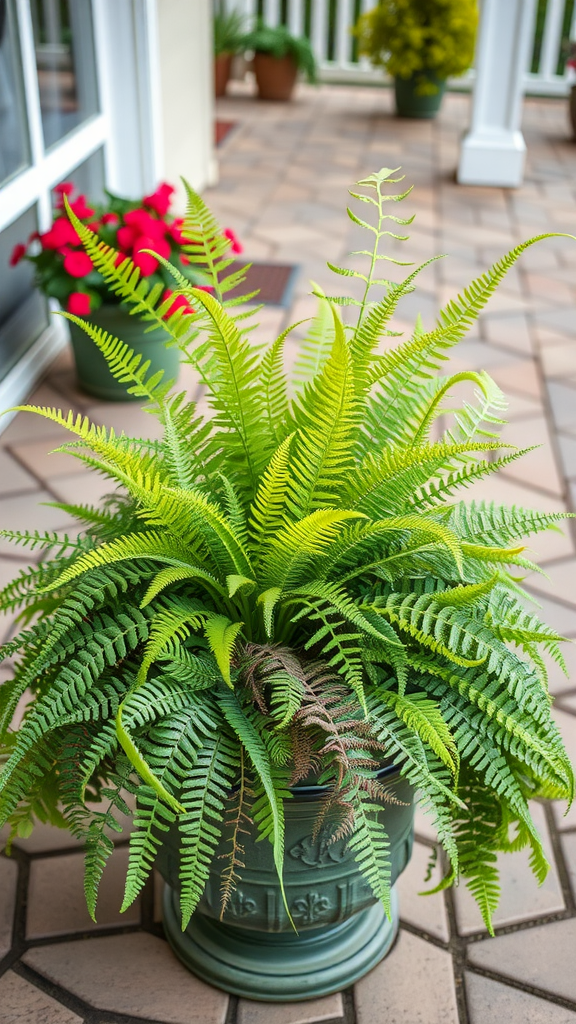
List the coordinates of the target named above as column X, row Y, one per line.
column 315, row 792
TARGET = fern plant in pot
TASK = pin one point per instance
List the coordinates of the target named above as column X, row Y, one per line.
column 285, row 625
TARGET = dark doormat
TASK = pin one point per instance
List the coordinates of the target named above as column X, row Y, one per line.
column 221, row 130
column 275, row 282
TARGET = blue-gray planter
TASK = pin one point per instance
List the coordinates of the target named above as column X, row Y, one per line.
column 342, row 931
column 92, row 371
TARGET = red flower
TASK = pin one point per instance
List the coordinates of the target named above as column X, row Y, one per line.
column 80, row 208
column 77, row 264
column 175, row 231
column 120, row 257
column 126, row 237
column 110, row 218
column 161, row 199
column 61, row 233
column 65, row 188
column 144, row 260
column 17, row 253
column 94, row 226
column 180, row 302
column 235, row 244
column 78, row 304
column 143, row 223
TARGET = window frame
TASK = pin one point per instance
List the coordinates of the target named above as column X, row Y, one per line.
column 32, row 186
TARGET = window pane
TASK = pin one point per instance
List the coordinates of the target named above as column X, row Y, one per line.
column 14, row 152
column 23, row 312
column 66, row 65
column 88, row 177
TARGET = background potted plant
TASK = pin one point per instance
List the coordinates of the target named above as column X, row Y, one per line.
column 141, row 229
column 229, row 30
column 278, row 57
column 420, row 45
column 284, row 626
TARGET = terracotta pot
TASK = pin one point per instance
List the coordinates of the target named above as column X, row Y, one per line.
column 275, row 76
column 222, row 66
column 342, row 930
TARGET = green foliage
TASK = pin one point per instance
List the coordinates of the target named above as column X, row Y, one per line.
column 228, row 27
column 277, row 41
column 424, row 39
column 286, row 588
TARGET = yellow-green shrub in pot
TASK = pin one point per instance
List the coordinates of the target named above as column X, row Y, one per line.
column 420, row 43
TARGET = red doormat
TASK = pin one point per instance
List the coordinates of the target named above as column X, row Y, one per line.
column 221, row 130
column 275, row 282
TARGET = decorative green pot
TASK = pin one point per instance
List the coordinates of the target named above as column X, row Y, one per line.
column 410, row 104
column 342, row 930
column 92, row 371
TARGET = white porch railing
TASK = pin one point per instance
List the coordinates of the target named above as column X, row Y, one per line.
column 328, row 26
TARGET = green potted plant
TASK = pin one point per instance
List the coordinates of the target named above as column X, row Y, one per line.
column 278, row 57
column 420, row 43
column 229, row 32
column 141, row 229
column 284, row 626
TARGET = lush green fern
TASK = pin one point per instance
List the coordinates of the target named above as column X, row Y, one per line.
column 284, row 589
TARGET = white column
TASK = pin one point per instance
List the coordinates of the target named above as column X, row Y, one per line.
column 156, row 83
column 493, row 152
column 185, row 54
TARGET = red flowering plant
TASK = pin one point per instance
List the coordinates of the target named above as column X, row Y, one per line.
column 135, row 228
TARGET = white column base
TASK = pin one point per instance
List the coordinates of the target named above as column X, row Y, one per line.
column 492, row 158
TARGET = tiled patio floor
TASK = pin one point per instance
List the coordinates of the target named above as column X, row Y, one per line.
column 284, row 175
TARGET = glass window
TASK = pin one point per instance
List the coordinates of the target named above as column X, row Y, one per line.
column 65, row 60
column 14, row 152
column 88, row 177
column 23, row 313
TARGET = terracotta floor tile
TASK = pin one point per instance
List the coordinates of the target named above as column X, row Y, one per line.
column 413, row 984
column 56, row 902
column 313, row 1011
column 522, row 377
column 23, row 1003
column 491, row 1001
column 522, row 898
column 8, row 880
column 41, row 459
column 13, row 477
column 543, row 546
column 82, row 488
column 424, row 912
column 537, row 468
column 135, row 974
column 563, row 403
column 559, row 582
column 541, row 956
column 24, row 512
column 569, row 847
column 125, row 417
column 559, row 360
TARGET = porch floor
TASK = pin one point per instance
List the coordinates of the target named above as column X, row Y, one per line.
column 284, row 175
